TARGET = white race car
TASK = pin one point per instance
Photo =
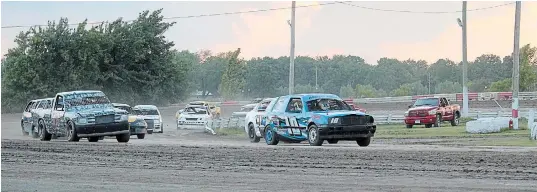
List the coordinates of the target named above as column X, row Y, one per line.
column 244, row 110
column 195, row 117
column 152, row 117
column 254, row 119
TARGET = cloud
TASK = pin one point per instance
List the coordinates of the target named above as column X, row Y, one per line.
column 261, row 33
column 492, row 33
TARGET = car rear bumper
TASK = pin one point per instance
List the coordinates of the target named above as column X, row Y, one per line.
column 106, row 129
column 349, row 132
column 430, row 119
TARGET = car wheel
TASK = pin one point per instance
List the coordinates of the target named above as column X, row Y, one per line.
column 313, row 136
column 140, row 136
column 149, row 131
column 409, row 126
column 71, row 132
column 456, row 120
column 123, row 138
column 363, row 142
column 437, row 122
column 23, row 131
column 44, row 135
column 93, row 139
column 270, row 136
column 251, row 134
column 101, row 138
column 428, row 125
column 332, row 141
column 35, row 132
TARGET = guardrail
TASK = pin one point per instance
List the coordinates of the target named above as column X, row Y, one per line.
column 380, row 119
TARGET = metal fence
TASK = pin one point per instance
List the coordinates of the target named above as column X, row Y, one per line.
column 380, row 119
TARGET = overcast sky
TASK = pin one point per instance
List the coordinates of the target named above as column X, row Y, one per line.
column 320, row 30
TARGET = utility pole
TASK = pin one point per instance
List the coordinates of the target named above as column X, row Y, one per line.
column 462, row 24
column 292, row 54
column 316, row 85
column 516, row 65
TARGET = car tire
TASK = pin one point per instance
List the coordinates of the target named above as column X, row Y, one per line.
column 140, row 136
column 332, row 141
column 409, row 126
column 161, row 128
column 363, row 142
column 456, row 120
column 251, row 134
column 313, row 136
column 123, row 138
column 44, row 135
column 149, row 131
column 428, row 125
column 71, row 132
column 271, row 138
column 93, row 139
column 35, row 133
column 437, row 122
column 101, row 138
column 23, row 131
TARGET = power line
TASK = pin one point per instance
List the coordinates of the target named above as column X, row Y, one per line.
column 426, row 12
column 282, row 8
column 196, row 16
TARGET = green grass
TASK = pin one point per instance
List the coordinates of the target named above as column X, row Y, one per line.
column 520, row 142
column 446, row 131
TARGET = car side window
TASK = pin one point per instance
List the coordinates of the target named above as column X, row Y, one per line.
column 59, row 103
column 294, row 106
column 29, row 106
column 280, row 105
column 40, row 105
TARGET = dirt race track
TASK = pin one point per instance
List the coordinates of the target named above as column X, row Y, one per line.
column 194, row 161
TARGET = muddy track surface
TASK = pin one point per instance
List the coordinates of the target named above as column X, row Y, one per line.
column 30, row 165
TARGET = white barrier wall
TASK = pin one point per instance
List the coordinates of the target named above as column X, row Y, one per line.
column 487, row 125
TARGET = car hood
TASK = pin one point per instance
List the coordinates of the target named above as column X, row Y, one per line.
column 97, row 112
column 149, row 116
column 338, row 113
column 422, row 108
column 186, row 115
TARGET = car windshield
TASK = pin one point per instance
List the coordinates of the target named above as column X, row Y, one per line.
column 263, row 105
column 145, row 112
column 327, row 105
column 195, row 110
column 92, row 100
column 426, row 102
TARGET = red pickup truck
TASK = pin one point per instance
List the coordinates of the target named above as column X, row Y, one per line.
column 431, row 112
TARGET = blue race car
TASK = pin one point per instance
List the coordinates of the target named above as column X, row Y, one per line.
column 316, row 117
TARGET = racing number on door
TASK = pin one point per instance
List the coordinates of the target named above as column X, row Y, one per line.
column 291, row 122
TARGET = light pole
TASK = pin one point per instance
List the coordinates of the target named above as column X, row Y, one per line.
column 292, row 54
column 463, row 25
column 516, row 65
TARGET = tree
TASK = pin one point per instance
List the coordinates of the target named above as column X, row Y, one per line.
column 504, row 85
column 233, row 79
column 448, row 87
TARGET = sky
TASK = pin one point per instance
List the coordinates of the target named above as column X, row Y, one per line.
column 320, row 30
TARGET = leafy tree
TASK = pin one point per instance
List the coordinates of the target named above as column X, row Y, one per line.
column 448, row 87
column 502, row 85
column 233, row 80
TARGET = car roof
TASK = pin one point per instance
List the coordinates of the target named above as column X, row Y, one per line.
column 79, row 92
column 42, row 99
column 145, row 107
column 120, row 105
column 311, row 96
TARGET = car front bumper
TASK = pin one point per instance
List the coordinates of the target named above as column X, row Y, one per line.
column 430, row 119
column 105, row 129
column 346, row 132
column 136, row 130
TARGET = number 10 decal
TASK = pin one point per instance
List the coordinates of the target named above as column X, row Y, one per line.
column 291, row 121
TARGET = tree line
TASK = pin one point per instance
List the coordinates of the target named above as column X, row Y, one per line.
column 134, row 63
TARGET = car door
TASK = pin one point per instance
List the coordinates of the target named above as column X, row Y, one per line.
column 57, row 115
column 294, row 114
column 448, row 112
column 27, row 116
column 35, row 113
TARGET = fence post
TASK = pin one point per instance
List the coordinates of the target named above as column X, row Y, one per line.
column 389, row 118
column 531, row 125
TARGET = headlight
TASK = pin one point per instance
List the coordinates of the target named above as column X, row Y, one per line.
column 82, row 120
column 432, row 112
column 157, row 121
column 406, row 113
column 334, row 120
column 124, row 118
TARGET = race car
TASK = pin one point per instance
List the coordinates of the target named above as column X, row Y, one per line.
column 316, row 118
column 244, row 110
column 137, row 125
column 195, row 117
column 215, row 110
column 254, row 120
column 152, row 117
